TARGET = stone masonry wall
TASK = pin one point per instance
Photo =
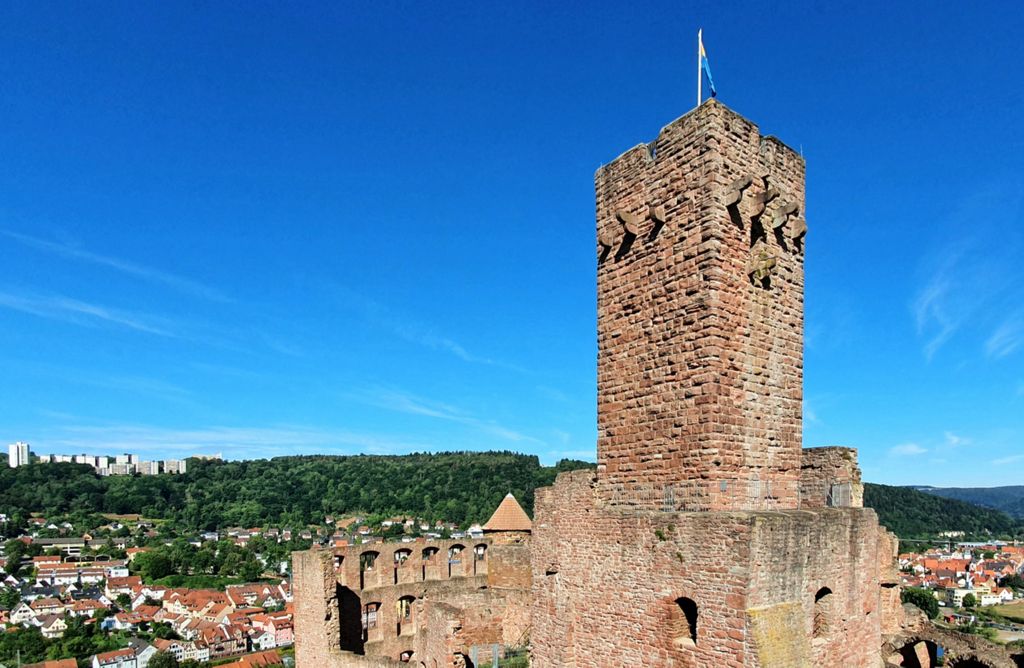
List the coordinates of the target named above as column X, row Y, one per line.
column 368, row 605
column 700, row 318
column 830, row 477
column 608, row 584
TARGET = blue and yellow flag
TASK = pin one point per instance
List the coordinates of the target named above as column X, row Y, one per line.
column 705, row 68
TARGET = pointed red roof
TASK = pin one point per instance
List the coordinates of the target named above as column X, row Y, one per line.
column 509, row 516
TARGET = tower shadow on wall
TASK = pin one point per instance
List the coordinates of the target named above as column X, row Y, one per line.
column 350, row 624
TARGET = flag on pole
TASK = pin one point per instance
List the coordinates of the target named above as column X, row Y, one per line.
column 704, row 67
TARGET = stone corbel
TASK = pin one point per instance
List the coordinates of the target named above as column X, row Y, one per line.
column 630, row 222
column 762, row 201
column 799, row 231
column 783, row 213
column 734, row 195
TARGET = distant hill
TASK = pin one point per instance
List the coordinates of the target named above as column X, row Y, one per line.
column 1008, row 499
column 913, row 513
column 455, row 486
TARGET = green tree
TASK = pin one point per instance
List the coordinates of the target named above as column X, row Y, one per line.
column 923, row 599
column 9, row 598
column 1014, row 582
column 163, row 660
column 970, row 600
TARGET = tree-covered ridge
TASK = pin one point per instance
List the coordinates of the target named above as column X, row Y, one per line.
column 910, row 513
column 1009, row 499
column 457, row 487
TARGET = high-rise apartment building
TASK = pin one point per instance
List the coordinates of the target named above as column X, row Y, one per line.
column 17, row 454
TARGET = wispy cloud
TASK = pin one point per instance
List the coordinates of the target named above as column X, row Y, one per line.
column 1007, row 338
column 233, row 442
column 66, row 309
column 404, row 402
column 1003, row 461
column 414, row 331
column 935, row 319
column 966, row 281
column 953, row 440
column 127, row 267
column 907, row 450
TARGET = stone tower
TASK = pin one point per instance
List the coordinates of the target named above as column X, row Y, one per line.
column 700, row 318
column 707, row 537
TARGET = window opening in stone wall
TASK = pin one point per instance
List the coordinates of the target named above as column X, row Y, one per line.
column 822, row 610
column 406, row 656
column 454, row 557
column 370, row 618
column 428, row 555
column 480, row 551
column 684, row 622
column 405, row 614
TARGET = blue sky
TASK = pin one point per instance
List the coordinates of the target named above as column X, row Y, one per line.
column 368, row 227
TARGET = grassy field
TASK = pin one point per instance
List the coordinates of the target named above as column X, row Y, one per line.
column 1014, row 611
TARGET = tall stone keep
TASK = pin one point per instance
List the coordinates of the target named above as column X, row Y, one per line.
column 707, row 536
column 700, row 318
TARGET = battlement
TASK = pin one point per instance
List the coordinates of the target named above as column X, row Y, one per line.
column 700, row 242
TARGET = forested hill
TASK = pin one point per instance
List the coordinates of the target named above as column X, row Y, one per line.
column 458, row 487
column 912, row 514
column 1008, row 499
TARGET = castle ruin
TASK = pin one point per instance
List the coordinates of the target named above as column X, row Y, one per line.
column 707, row 536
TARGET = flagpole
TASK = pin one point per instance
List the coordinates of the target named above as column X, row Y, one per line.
column 699, row 31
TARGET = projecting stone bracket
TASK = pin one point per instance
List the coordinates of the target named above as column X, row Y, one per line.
column 798, row 233
column 631, row 224
column 734, row 195
column 762, row 200
column 783, row 214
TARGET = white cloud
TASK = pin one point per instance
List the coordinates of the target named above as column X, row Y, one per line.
column 1002, row 461
column 404, row 402
column 124, row 266
column 907, row 449
column 78, row 312
column 952, row 440
column 1006, row 338
column 233, row 442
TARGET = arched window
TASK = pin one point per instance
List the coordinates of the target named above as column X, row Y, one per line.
column 401, row 556
column 822, row 612
column 405, row 656
column 368, row 560
column 684, row 622
column 480, row 552
column 455, row 559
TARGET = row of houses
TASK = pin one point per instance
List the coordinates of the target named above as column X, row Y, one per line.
column 953, row 574
column 140, row 653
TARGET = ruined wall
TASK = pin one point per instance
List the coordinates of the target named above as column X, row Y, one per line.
column 830, row 477
column 700, row 318
column 509, row 567
column 608, row 584
column 375, row 604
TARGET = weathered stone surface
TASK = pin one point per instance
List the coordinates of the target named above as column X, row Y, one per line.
column 432, row 600
column 701, row 540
